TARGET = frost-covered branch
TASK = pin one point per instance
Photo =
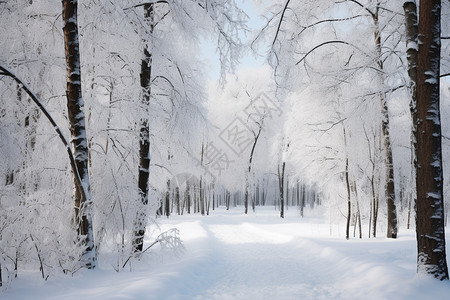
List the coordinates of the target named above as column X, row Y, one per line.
column 41, row 107
column 169, row 240
column 330, row 21
column 147, row 3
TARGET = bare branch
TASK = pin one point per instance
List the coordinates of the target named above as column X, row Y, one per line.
column 327, row 43
column 330, row 20
column 147, row 3
column 362, row 6
column 281, row 21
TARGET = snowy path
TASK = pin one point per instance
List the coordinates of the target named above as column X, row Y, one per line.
column 252, row 263
column 231, row 256
column 264, row 257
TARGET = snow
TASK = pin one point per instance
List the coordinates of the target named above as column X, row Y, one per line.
column 230, row 255
column 412, row 45
column 432, row 77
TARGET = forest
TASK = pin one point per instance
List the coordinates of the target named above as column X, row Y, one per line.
column 120, row 117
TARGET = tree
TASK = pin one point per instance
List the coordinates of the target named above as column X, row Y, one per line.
column 392, row 226
column 75, row 109
column 354, row 49
column 410, row 10
column 144, row 138
column 249, row 173
column 431, row 256
column 166, row 78
column 281, row 180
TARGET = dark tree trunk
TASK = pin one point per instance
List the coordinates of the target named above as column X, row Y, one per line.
column 247, row 177
column 202, row 197
column 302, row 200
column 188, row 198
column 75, row 110
column 177, row 200
column 287, row 193
column 347, row 184
column 167, row 200
column 392, row 223
column 281, row 187
column 349, row 202
column 144, row 140
column 431, row 257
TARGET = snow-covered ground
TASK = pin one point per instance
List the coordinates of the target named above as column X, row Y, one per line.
column 230, row 255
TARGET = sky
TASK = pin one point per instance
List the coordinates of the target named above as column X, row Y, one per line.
column 249, row 60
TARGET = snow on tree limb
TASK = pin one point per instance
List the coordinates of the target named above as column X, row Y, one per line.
column 35, row 99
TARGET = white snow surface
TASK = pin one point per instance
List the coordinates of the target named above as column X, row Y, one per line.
column 230, row 255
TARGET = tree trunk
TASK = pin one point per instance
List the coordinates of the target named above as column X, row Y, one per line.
column 392, row 223
column 144, row 139
column 302, row 200
column 75, row 109
column 167, row 201
column 287, row 193
column 246, row 193
column 188, row 195
column 281, row 187
column 431, row 257
column 347, row 184
column 411, row 28
column 392, row 226
column 358, row 211
column 349, row 202
column 370, row 216
column 177, row 200
column 195, row 198
column 373, row 206
column 247, row 177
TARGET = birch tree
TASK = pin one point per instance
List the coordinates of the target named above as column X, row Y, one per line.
column 168, row 89
column 75, row 109
column 144, row 138
column 41, row 193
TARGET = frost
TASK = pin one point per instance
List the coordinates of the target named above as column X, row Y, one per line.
column 434, row 195
column 412, row 45
column 432, row 80
column 436, row 163
column 432, row 77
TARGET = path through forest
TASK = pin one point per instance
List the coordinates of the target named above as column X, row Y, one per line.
column 232, row 256
column 260, row 256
